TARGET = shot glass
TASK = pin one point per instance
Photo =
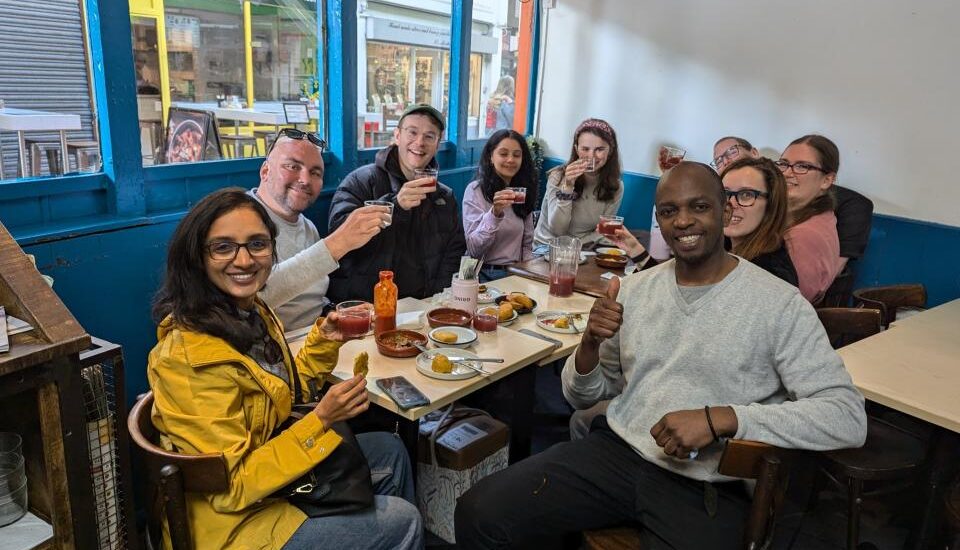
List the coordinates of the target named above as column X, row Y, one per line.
column 589, row 164
column 419, row 173
column 388, row 204
column 354, row 318
column 609, row 225
column 670, row 157
column 519, row 194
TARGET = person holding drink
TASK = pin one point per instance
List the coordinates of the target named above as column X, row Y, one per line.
column 498, row 205
column 587, row 186
column 222, row 379
column 423, row 244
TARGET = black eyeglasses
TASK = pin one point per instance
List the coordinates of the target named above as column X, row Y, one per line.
column 746, row 197
column 799, row 168
column 227, row 250
column 293, row 133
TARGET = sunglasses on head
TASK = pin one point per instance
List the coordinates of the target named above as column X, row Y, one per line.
column 293, row 133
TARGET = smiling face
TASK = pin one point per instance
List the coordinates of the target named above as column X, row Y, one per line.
column 744, row 220
column 590, row 145
column 243, row 276
column 692, row 214
column 803, row 188
column 291, row 178
column 728, row 150
column 417, row 138
column 507, row 158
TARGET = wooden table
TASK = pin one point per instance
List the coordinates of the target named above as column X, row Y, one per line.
column 914, row 367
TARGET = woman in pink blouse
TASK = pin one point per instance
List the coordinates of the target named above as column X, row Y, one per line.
column 810, row 166
column 497, row 228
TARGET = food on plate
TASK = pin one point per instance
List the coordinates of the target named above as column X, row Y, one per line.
column 562, row 322
column 520, row 300
column 397, row 340
column 361, row 364
column 445, row 336
column 441, row 363
column 482, row 288
column 506, row 311
column 614, row 252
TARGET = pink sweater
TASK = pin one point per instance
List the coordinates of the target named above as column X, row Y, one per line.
column 814, row 249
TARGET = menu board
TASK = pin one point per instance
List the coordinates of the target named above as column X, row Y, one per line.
column 191, row 136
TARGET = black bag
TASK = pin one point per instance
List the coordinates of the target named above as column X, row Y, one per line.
column 340, row 484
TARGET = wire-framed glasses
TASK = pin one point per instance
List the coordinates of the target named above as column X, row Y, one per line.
column 731, row 153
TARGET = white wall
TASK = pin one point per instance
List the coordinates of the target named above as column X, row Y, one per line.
column 878, row 77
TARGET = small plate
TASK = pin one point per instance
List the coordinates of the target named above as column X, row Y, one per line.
column 465, row 337
column 490, row 295
column 610, row 261
column 460, row 372
column 521, row 310
column 611, row 250
column 546, row 319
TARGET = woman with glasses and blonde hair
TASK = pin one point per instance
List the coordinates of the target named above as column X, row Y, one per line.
column 809, row 165
column 223, row 380
column 758, row 195
column 587, row 186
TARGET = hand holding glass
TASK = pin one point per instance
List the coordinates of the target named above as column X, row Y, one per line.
column 519, row 194
column 670, row 157
column 386, row 204
column 354, row 317
column 609, row 224
column 432, row 173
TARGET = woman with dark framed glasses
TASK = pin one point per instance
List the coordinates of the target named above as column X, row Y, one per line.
column 758, row 195
column 809, row 165
column 222, row 374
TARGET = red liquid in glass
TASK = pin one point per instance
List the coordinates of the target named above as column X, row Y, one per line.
column 484, row 322
column 562, row 285
column 519, row 198
column 384, row 323
column 354, row 325
column 669, row 163
column 610, row 228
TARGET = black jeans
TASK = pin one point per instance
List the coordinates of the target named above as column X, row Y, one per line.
column 597, row 482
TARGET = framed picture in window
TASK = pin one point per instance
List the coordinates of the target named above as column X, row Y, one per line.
column 296, row 112
column 191, row 136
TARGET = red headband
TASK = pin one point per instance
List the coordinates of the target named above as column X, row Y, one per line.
column 595, row 125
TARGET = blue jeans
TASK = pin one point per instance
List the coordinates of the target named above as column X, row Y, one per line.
column 492, row 273
column 393, row 522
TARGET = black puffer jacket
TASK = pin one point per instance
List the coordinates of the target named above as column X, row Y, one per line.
column 422, row 246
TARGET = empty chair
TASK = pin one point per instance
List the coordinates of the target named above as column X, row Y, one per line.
column 237, row 145
column 889, row 299
column 741, row 458
column 170, row 475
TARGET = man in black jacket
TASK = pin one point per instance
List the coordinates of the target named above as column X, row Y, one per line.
column 424, row 242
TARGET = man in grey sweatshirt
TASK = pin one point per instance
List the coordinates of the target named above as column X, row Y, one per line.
column 708, row 347
column 291, row 178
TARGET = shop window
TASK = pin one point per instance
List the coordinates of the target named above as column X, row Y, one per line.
column 205, row 93
column 47, row 125
column 404, row 58
column 494, row 61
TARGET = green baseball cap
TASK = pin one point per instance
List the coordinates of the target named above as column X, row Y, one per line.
column 424, row 109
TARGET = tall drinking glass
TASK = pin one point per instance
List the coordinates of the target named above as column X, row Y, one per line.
column 564, row 259
column 354, row 317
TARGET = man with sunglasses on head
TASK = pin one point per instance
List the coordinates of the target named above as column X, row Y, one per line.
column 424, row 241
column 291, row 178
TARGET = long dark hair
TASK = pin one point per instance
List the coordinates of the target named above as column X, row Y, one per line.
column 187, row 293
column 491, row 182
column 768, row 236
column 828, row 156
column 609, row 175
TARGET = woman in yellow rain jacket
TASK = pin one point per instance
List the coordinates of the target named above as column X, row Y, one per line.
column 222, row 383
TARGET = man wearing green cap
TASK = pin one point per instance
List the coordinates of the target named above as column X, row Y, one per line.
column 424, row 241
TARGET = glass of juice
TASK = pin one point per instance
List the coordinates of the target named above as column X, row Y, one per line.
column 670, row 157
column 419, row 173
column 485, row 319
column 519, row 194
column 354, row 317
column 564, row 259
column 609, row 225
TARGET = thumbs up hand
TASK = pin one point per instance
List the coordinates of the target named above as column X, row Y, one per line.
column 606, row 316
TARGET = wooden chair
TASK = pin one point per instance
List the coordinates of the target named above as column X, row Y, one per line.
column 741, row 458
column 171, row 475
column 888, row 299
column 890, row 452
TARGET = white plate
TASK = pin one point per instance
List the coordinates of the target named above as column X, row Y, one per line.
column 465, row 337
column 460, row 372
column 490, row 295
column 544, row 321
column 611, row 250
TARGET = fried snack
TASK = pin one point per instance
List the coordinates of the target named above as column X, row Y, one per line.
column 482, row 288
column 506, row 311
column 441, row 363
column 361, row 364
column 562, row 322
column 615, row 252
column 520, row 300
column 445, row 336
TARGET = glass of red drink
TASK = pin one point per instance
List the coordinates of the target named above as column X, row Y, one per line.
column 670, row 157
column 609, row 224
column 432, row 173
column 564, row 259
column 485, row 319
column 354, row 318
column 519, row 194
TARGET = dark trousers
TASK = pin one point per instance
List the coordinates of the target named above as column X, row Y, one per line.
column 597, row 482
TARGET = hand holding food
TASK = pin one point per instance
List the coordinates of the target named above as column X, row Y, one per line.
column 361, row 364
column 343, row 401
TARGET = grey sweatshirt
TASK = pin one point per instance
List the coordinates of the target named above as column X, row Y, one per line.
column 297, row 287
column 577, row 218
column 751, row 342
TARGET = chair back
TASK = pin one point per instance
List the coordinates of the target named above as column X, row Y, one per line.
column 846, row 325
column 172, row 474
column 766, row 464
column 887, row 299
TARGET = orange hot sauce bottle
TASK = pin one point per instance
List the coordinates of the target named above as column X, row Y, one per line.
column 385, row 303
